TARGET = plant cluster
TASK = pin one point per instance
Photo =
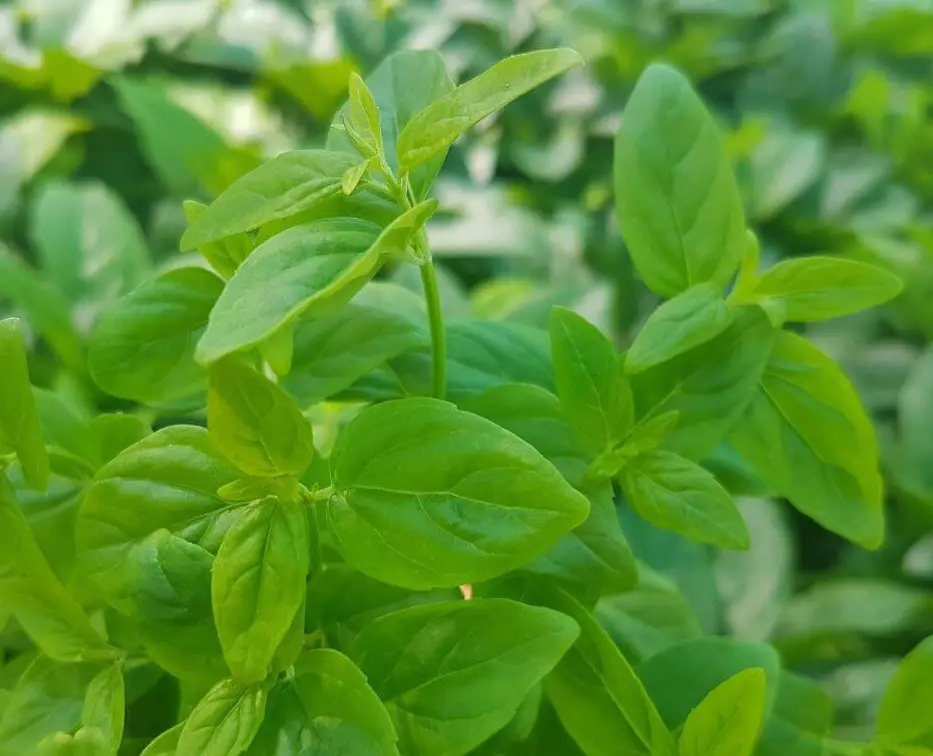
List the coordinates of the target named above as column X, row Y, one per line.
column 697, row 525
column 424, row 576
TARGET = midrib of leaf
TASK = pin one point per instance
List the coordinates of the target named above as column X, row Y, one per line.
column 599, row 405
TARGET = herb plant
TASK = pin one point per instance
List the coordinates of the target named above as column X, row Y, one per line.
column 393, row 533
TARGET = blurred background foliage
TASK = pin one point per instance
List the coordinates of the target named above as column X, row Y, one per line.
column 112, row 112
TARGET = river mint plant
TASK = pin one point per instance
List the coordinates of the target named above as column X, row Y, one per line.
column 392, row 532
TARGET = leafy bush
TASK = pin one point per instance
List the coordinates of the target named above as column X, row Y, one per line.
column 293, row 576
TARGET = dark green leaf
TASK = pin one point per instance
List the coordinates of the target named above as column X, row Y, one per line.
column 487, row 503
column 452, row 674
column 142, row 348
column 594, row 556
column 343, row 712
column 709, row 386
column 334, row 351
column 168, row 480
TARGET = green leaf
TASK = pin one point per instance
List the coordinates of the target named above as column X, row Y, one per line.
column 42, row 304
column 693, row 317
column 225, row 721
column 807, row 435
column 20, row 432
column 48, row 698
column 439, row 125
column 334, row 351
column 676, row 494
column 709, row 386
column 288, row 185
column 676, row 196
column 224, row 255
column 811, row 289
column 474, row 663
column 595, row 555
column 165, row 744
column 402, row 85
column 363, row 115
column 487, row 503
column 313, row 269
column 47, row 612
column 352, row 177
column 255, row 423
column 168, row 585
column 185, row 152
column 598, row 697
column 168, row 480
column 593, row 392
column 901, row 715
column 104, row 707
column 142, row 348
column 728, row 721
column 680, row 677
column 342, row 602
column 345, row 714
column 258, row 584
column 88, row 243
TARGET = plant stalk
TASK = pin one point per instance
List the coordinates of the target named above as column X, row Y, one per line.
column 438, row 337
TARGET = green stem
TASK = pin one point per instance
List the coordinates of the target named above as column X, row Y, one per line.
column 315, row 536
column 438, row 337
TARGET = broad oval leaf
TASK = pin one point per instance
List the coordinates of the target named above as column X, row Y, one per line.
column 402, row 85
column 594, row 557
column 693, row 317
column 311, row 269
column 165, row 744
column 168, row 480
column 807, row 435
column 287, row 185
column 728, row 720
column 142, row 348
column 677, row 200
column 676, row 494
column 709, row 386
column 453, row 673
column 20, row 431
column 439, row 125
column 901, row 715
column 811, row 289
column 225, row 721
column 168, row 585
column 255, row 423
column 486, row 503
column 334, row 351
column 343, row 711
column 258, row 584
column 594, row 393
